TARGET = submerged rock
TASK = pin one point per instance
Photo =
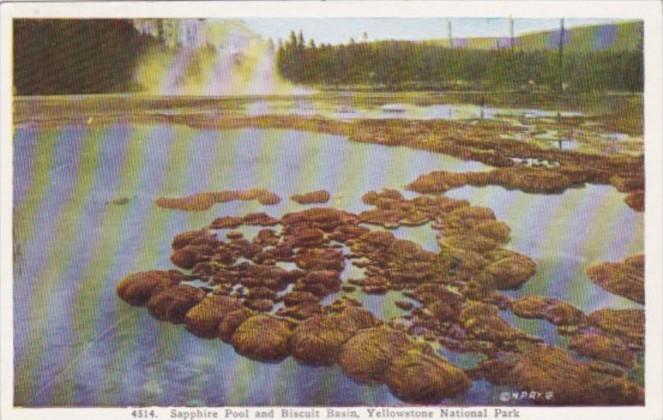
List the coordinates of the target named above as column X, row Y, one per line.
column 263, row 338
column 138, row 288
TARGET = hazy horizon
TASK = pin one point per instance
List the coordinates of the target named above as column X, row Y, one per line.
column 340, row 30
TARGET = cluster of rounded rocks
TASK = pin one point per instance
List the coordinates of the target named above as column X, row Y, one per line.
column 268, row 312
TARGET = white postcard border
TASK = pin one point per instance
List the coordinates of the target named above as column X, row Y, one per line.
column 648, row 11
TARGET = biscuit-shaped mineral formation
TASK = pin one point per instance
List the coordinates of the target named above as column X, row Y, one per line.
column 320, row 196
column 626, row 278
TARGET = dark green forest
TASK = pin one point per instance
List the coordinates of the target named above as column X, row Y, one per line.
column 397, row 65
column 76, row 56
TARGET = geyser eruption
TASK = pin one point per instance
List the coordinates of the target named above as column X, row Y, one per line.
column 205, row 57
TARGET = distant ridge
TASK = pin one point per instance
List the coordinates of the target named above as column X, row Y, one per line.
column 614, row 37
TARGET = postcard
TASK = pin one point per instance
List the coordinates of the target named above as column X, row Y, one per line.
column 331, row 210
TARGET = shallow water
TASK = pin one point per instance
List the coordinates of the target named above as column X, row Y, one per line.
column 566, row 233
column 305, row 107
column 77, row 344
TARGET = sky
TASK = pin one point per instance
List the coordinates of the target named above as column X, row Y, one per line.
column 339, row 30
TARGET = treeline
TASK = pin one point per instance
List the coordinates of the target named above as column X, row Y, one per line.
column 398, row 64
column 76, row 56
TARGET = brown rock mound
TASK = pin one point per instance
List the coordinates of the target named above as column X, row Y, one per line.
column 232, row 321
column 198, row 236
column 319, row 282
column 469, row 241
column 320, row 196
column 195, row 202
column 325, row 219
column 203, row 319
column 626, row 278
column 554, row 311
column 601, row 347
column 259, row 219
column 227, row 222
column 497, row 231
column 511, row 271
column 534, row 180
column 636, row 200
column 320, row 259
column 424, row 378
column 263, row 338
column 295, row 298
column 187, row 256
column 301, row 311
column 366, row 356
column 205, row 200
column 173, row 304
column 627, row 324
column 138, row 288
column 571, row 382
column 318, row 340
column 483, row 322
